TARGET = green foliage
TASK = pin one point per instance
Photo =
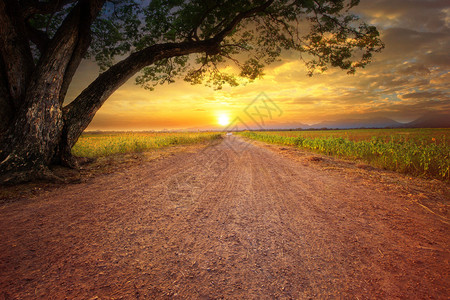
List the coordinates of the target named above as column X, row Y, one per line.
column 116, row 31
column 250, row 34
column 163, row 71
column 50, row 23
column 424, row 152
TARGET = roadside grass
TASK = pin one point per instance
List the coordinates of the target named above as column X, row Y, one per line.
column 418, row 152
column 94, row 145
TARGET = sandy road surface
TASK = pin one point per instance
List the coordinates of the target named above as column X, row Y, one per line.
column 235, row 220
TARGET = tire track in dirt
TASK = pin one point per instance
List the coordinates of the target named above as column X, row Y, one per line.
column 332, row 202
column 335, row 205
column 233, row 220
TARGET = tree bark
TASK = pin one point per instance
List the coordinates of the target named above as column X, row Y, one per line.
column 15, row 50
column 6, row 104
column 81, row 48
column 31, row 143
column 82, row 45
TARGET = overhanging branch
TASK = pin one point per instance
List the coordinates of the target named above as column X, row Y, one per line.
column 239, row 17
column 33, row 7
column 38, row 37
column 79, row 113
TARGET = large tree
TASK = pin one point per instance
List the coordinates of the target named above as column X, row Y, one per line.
column 44, row 42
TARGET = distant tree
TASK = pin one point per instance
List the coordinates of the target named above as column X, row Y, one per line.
column 43, row 43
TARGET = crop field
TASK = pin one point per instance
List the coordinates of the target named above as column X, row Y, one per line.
column 103, row 144
column 420, row 152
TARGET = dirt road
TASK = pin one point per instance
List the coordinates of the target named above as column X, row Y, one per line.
column 235, row 220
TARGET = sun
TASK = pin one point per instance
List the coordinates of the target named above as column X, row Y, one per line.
column 223, row 120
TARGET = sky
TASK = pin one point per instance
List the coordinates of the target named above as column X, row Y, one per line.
column 410, row 78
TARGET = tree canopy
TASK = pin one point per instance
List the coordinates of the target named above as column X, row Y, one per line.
column 252, row 34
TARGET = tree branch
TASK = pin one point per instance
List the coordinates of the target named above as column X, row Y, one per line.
column 79, row 113
column 77, row 56
column 84, row 40
column 241, row 16
column 38, row 37
column 84, row 11
column 193, row 35
column 15, row 50
column 68, row 46
column 33, row 7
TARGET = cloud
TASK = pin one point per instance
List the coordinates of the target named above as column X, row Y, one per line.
column 427, row 15
column 432, row 95
column 414, row 69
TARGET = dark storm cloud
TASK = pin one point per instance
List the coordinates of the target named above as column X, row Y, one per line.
column 424, row 15
column 431, row 95
column 437, row 59
column 404, row 44
column 419, row 108
column 414, row 69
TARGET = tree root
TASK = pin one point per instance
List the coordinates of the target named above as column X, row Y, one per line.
column 70, row 161
column 38, row 174
column 14, row 170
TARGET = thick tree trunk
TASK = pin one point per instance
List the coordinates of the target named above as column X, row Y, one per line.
column 34, row 135
column 6, row 103
column 33, row 139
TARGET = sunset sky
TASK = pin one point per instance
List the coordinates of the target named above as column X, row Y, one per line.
column 408, row 79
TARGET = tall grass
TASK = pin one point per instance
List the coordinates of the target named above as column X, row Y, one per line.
column 415, row 153
column 104, row 144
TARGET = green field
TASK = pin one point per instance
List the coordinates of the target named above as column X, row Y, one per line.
column 103, row 144
column 419, row 152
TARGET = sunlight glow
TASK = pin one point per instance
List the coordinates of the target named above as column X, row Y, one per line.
column 223, row 120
